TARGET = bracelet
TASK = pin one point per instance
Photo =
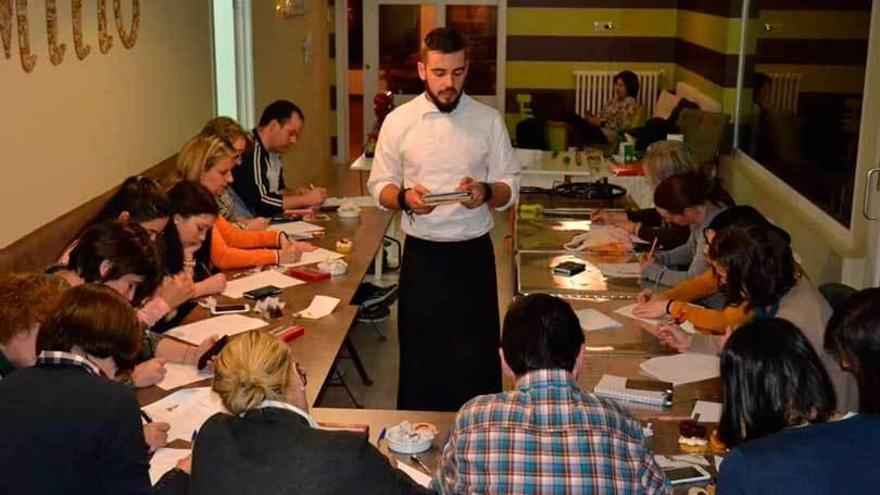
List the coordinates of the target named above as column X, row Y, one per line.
column 668, row 305
column 401, row 200
column 487, row 196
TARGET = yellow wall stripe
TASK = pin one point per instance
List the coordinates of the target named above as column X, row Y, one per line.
column 579, row 22
column 710, row 31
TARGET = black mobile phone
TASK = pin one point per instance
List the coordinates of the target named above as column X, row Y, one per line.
column 569, row 268
column 228, row 309
column 284, row 219
column 213, row 351
column 262, row 292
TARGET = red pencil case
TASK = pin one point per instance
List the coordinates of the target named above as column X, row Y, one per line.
column 291, row 333
column 308, row 274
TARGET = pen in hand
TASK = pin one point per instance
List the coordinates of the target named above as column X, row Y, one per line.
column 381, row 438
column 146, row 416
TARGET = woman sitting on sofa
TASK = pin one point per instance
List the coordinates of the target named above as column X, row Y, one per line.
column 619, row 113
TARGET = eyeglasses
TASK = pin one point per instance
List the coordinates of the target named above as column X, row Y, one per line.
column 301, row 371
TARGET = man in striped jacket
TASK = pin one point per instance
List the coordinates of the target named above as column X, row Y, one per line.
column 259, row 180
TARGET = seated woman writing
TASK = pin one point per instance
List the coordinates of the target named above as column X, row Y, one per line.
column 754, row 265
column 270, row 444
column 779, row 417
column 209, row 161
column 676, row 302
column 662, row 160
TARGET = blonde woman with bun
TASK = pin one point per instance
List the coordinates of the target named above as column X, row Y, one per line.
column 662, row 159
column 269, row 443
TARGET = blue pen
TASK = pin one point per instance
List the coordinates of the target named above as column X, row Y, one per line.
column 381, row 437
column 192, row 439
column 657, row 282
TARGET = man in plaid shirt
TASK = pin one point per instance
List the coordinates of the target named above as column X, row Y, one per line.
column 546, row 436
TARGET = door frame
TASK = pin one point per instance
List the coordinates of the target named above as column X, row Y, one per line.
column 371, row 55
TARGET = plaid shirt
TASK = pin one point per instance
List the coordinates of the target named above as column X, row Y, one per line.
column 547, row 437
column 61, row 358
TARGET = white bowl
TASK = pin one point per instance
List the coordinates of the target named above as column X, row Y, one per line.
column 399, row 441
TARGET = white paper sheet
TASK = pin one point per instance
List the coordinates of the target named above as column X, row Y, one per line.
column 316, row 256
column 417, row 475
column 320, row 307
column 710, row 412
column 620, row 270
column 628, row 312
column 298, row 227
column 359, row 201
column 186, row 410
column 165, row 460
column 177, row 375
column 236, row 288
column 195, row 333
column 683, row 368
column 592, row 320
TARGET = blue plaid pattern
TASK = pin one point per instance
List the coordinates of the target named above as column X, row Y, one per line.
column 547, row 437
column 61, row 358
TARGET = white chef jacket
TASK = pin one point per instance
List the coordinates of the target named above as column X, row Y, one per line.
column 418, row 144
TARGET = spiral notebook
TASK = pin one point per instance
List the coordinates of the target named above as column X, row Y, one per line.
column 649, row 392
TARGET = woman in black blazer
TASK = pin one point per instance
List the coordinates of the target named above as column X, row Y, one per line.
column 68, row 427
column 270, row 444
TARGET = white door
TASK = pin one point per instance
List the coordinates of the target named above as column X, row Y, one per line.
column 394, row 30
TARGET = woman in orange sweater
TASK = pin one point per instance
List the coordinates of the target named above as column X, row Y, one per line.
column 209, row 161
column 675, row 302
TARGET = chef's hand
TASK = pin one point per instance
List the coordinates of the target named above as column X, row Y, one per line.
column 477, row 191
column 415, row 200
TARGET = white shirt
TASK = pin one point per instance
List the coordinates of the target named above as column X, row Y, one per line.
column 418, row 144
column 274, row 171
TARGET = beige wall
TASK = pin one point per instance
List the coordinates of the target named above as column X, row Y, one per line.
column 72, row 131
column 279, row 73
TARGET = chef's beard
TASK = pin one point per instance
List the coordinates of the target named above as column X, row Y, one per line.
column 445, row 107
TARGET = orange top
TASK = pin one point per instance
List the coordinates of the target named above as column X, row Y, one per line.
column 232, row 247
column 711, row 320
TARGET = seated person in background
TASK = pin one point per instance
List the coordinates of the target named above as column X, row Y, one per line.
column 142, row 201
column 68, row 427
column 270, row 444
column 210, row 162
column 853, row 338
column 754, row 265
column 692, row 200
column 675, row 301
column 25, row 302
column 778, row 416
column 619, row 113
column 662, row 159
column 123, row 258
column 231, row 206
column 259, row 182
column 546, row 435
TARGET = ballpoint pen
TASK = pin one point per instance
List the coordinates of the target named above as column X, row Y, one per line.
column 146, row 416
column 381, row 438
column 421, row 464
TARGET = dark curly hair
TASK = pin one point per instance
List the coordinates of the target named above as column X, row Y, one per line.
column 630, row 80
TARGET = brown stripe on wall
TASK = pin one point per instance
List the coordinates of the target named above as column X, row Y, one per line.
column 720, row 8
column 717, row 67
column 334, row 146
column 595, row 4
column 814, row 52
column 813, row 5
column 332, row 97
column 331, row 42
column 591, row 48
column 552, row 104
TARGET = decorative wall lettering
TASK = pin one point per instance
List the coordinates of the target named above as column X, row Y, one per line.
column 56, row 50
column 82, row 48
column 6, row 26
column 14, row 15
column 130, row 38
column 105, row 41
column 28, row 59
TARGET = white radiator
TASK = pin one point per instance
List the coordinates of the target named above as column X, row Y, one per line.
column 785, row 87
column 593, row 88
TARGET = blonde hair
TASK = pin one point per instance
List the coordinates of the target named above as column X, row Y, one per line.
column 253, row 367
column 199, row 155
column 226, row 129
column 664, row 159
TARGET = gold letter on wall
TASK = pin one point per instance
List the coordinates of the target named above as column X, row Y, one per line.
column 105, row 41
column 28, row 59
column 82, row 48
column 56, row 50
column 6, row 26
column 129, row 39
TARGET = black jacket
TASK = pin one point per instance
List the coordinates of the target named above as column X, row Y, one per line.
column 252, row 182
column 66, row 431
column 274, row 451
